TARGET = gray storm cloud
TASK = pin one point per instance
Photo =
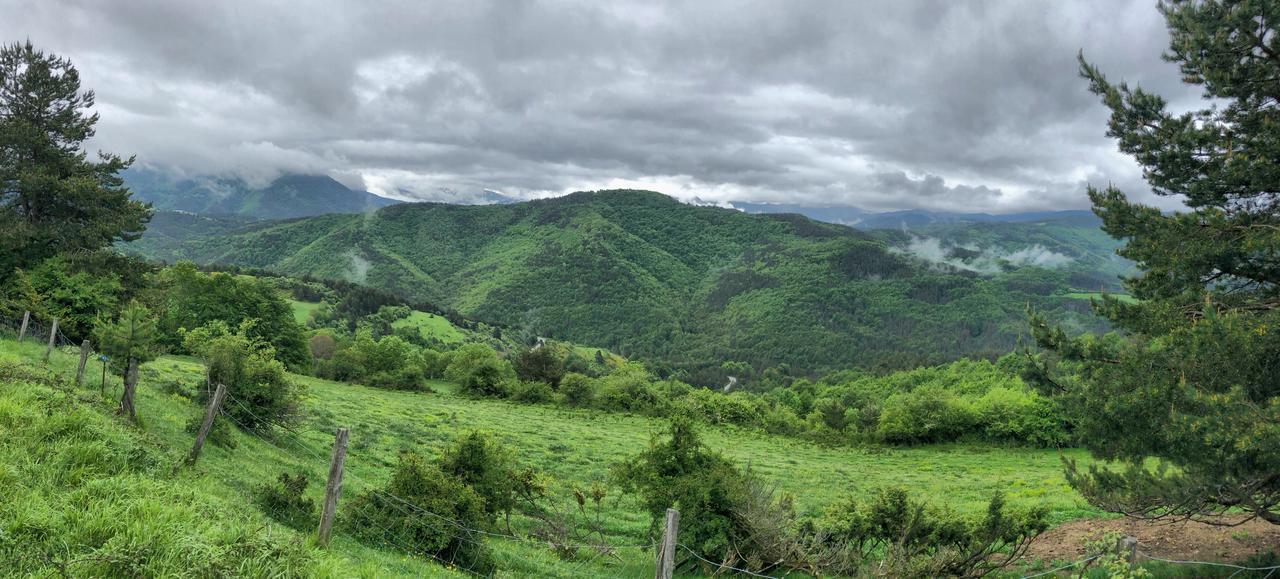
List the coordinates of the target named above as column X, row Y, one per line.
column 940, row 105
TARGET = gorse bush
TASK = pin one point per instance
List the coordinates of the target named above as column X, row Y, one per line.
column 378, row 517
column 480, row 462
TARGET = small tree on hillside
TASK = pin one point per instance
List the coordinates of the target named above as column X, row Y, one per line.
column 128, row 342
column 1193, row 382
column 52, row 198
column 539, row 365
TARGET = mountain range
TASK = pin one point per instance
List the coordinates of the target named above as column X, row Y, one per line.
column 643, row 274
column 287, row 196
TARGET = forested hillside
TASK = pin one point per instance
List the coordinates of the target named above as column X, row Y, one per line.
column 642, row 274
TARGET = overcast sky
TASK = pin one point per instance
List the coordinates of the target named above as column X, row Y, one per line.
column 885, row 105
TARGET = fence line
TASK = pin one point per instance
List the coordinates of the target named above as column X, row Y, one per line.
column 722, row 566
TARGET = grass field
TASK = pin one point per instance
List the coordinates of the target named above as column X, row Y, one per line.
column 302, row 311
column 432, row 326
column 575, row 446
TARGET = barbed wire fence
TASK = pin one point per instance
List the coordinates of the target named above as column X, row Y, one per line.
column 43, row 332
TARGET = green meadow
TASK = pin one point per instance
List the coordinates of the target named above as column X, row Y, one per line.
column 575, row 446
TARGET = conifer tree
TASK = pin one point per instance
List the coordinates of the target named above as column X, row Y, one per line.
column 1185, row 396
column 53, row 199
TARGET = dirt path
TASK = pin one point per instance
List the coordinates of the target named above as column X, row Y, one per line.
column 1185, row 541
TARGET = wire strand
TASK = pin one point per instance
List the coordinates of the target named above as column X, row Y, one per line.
column 723, row 566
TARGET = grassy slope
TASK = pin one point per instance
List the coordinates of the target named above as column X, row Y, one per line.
column 644, row 275
column 432, row 326
column 302, row 311
column 575, row 447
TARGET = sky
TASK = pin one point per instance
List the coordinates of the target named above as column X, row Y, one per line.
column 884, row 105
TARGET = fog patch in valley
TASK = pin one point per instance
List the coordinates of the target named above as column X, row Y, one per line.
column 989, row 260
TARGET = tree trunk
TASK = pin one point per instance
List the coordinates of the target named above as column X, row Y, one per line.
column 130, row 385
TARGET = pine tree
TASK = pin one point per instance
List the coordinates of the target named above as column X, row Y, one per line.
column 52, row 197
column 1186, row 394
column 128, row 342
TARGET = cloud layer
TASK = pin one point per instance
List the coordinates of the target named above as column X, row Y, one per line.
column 970, row 106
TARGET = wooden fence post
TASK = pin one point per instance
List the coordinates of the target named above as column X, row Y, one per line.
column 215, row 404
column 22, row 333
column 1127, row 547
column 334, row 486
column 84, row 359
column 53, row 337
column 130, row 384
column 667, row 550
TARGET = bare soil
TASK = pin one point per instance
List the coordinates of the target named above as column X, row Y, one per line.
column 1186, row 540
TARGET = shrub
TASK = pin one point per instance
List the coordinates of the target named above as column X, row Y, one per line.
column 478, row 370
column 539, row 365
column 377, row 518
column 486, row 466
column 219, row 432
column 578, row 390
column 926, row 414
column 258, row 393
column 286, row 501
column 914, row 538
column 1021, row 416
column 533, row 392
column 680, row 471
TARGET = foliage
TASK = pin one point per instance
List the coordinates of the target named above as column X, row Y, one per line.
column 187, row 299
column 1187, row 398
column 131, row 337
column 681, row 472
column 577, row 390
column 377, row 516
column 388, row 362
column 913, row 538
column 259, row 395
column 478, row 370
column 485, row 465
column 219, row 431
column 928, row 414
column 76, row 297
column 532, row 392
column 539, row 365
column 287, row 501
column 52, row 198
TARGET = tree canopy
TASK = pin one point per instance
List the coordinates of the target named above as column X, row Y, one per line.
column 1191, row 382
column 53, row 199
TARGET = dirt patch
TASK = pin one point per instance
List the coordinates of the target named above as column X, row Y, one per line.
column 1187, row 540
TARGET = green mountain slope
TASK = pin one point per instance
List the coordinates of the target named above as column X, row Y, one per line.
column 644, row 275
column 286, row 197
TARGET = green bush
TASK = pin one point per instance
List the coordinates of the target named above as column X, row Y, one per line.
column 901, row 536
column 1021, row 416
column 286, row 501
column 539, row 365
column 219, row 432
column 927, row 414
column 680, row 471
column 484, row 465
column 259, row 395
column 479, row 371
column 578, row 390
column 532, row 393
column 379, row 517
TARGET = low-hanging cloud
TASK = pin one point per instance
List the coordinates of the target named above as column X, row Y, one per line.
column 986, row 260
column 940, row 105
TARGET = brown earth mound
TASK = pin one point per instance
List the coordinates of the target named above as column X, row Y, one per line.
column 1186, row 540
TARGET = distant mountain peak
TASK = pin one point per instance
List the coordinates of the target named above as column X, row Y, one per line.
column 288, row 196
